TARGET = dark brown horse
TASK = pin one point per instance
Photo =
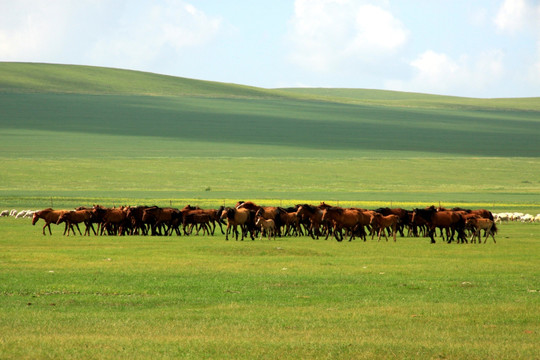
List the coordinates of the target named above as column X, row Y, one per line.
column 446, row 219
column 311, row 217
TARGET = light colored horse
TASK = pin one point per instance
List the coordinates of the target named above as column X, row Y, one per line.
column 266, row 225
column 478, row 224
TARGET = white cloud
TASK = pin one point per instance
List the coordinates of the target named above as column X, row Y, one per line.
column 466, row 76
column 327, row 33
column 98, row 32
column 523, row 17
column 515, row 15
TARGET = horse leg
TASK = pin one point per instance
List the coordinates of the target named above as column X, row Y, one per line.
column 77, row 225
column 430, row 233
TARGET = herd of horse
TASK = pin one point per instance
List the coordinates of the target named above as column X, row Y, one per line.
column 248, row 220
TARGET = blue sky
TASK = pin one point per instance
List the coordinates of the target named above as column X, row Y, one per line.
column 481, row 48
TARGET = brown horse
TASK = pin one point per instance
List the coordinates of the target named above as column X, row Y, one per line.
column 237, row 217
column 50, row 216
column 114, row 220
column 291, row 222
column 401, row 213
column 267, row 212
column 311, row 217
column 478, row 224
column 442, row 219
column 135, row 215
column 349, row 219
column 167, row 218
column 268, row 226
column 75, row 217
column 380, row 223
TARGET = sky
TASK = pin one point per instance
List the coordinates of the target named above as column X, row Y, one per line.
column 480, row 48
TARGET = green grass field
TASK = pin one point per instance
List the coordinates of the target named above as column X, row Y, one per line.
column 295, row 298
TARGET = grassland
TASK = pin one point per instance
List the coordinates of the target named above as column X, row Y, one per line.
column 294, row 298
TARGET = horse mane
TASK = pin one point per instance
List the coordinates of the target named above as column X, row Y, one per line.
column 309, row 208
column 335, row 209
column 461, row 209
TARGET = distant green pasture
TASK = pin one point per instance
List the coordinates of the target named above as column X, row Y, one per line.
column 488, row 182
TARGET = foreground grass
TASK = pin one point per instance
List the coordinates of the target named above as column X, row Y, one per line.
column 202, row 297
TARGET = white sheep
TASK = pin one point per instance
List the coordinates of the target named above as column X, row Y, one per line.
column 4, row 213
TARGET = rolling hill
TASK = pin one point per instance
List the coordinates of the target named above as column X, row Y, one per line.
column 59, row 119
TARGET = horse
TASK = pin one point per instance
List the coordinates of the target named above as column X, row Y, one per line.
column 237, row 217
column 478, row 224
column 50, row 216
column 290, row 220
column 351, row 219
column 401, row 213
column 442, row 219
column 112, row 219
column 168, row 218
column 268, row 226
column 381, row 223
column 311, row 217
column 267, row 212
column 135, row 214
column 75, row 217
column 194, row 218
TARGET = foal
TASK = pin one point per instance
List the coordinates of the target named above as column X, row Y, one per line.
column 266, row 225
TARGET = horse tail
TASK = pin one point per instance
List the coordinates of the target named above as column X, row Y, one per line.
column 494, row 228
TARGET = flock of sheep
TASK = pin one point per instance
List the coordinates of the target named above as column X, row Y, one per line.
column 500, row 217
column 515, row 216
column 18, row 214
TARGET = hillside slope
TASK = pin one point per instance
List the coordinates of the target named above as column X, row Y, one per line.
column 100, row 101
column 77, row 79
column 58, row 78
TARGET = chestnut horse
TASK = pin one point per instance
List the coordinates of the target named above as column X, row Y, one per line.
column 478, row 224
column 442, row 219
column 237, row 217
column 50, row 216
column 380, row 223
column 267, row 212
column 75, row 217
column 350, row 219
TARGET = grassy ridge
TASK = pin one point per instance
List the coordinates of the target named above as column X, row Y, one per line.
column 203, row 297
column 53, row 78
